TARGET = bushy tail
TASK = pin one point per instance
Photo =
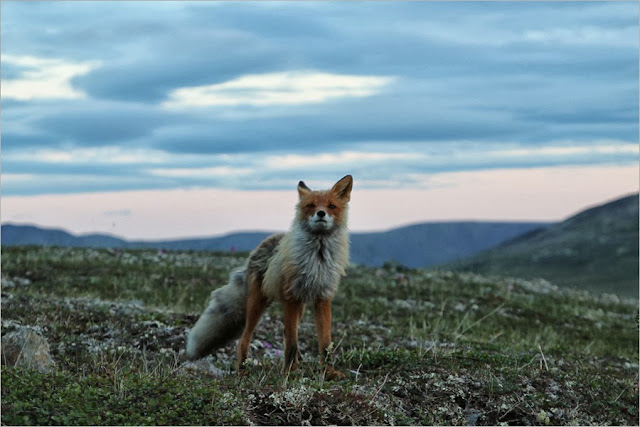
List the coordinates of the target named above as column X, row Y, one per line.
column 223, row 319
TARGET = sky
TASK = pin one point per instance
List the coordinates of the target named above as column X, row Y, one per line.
column 153, row 120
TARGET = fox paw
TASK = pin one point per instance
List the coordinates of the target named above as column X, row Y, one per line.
column 332, row 374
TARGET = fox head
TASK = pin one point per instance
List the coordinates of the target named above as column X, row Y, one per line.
column 324, row 211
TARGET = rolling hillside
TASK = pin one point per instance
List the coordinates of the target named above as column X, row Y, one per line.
column 428, row 244
column 415, row 246
column 19, row 235
column 596, row 249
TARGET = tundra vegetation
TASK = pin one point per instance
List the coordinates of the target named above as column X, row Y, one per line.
column 419, row 347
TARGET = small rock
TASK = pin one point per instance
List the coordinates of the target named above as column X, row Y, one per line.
column 460, row 307
column 26, row 347
column 15, row 282
column 202, row 365
column 473, row 415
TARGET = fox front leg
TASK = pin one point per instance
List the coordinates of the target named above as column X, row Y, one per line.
column 323, row 325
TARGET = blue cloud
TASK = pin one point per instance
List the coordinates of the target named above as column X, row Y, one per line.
column 102, row 123
column 481, row 75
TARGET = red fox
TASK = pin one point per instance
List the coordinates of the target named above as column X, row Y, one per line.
column 301, row 267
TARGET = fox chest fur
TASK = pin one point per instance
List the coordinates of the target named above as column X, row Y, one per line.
column 305, row 266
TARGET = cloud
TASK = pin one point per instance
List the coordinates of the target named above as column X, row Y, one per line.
column 200, row 173
column 99, row 123
column 236, row 95
column 584, row 36
column 283, row 88
column 554, row 151
column 44, row 171
column 339, row 125
column 112, row 155
column 345, row 158
column 43, row 78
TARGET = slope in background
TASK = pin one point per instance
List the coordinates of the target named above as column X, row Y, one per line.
column 597, row 249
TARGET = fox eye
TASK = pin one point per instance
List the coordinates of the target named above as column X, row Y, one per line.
column 311, row 205
column 332, row 206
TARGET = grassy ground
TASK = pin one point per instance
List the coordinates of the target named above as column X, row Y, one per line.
column 418, row 347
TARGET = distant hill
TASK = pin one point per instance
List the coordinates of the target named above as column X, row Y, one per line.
column 597, row 249
column 13, row 235
column 428, row 244
column 415, row 246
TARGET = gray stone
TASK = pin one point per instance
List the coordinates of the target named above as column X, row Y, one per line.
column 27, row 348
column 203, row 365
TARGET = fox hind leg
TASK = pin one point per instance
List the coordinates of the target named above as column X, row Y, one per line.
column 256, row 304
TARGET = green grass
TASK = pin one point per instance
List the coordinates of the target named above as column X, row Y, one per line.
column 418, row 346
column 179, row 280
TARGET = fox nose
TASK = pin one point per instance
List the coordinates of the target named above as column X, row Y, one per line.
column 321, row 214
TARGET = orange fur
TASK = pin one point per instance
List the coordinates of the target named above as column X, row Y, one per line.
column 325, row 200
column 303, row 266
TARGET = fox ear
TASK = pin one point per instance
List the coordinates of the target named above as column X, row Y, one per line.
column 303, row 190
column 342, row 188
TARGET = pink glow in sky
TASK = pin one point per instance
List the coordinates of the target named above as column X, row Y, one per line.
column 538, row 194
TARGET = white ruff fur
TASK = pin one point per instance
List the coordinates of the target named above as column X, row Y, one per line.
column 317, row 262
column 320, row 262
